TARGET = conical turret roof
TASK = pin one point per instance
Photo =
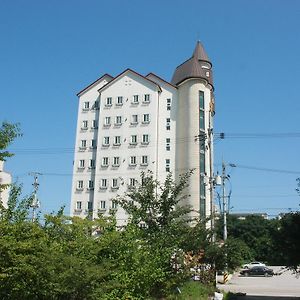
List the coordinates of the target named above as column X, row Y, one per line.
column 198, row 66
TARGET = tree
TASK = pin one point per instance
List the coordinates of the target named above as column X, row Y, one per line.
column 288, row 240
column 8, row 133
column 161, row 230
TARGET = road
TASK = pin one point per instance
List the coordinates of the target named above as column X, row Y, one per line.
column 284, row 285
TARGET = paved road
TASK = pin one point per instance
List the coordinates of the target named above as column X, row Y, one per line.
column 285, row 285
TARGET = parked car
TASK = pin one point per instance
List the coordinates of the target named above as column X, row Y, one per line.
column 253, row 264
column 257, row 271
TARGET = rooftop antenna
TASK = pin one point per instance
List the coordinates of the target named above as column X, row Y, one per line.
column 35, row 204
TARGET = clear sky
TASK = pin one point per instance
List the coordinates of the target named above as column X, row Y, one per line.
column 50, row 50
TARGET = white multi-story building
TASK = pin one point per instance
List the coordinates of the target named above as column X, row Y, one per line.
column 5, row 179
column 132, row 123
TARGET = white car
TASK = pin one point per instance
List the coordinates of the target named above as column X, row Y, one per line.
column 253, row 264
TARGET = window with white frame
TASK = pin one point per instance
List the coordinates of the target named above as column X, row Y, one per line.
column 169, row 104
column 78, row 205
column 117, row 140
column 86, row 105
column 108, row 101
column 95, row 124
column 119, row 100
column 133, row 139
column 81, row 164
column 93, row 144
column 168, row 123
column 90, row 206
column 103, row 183
column 115, row 183
column 146, row 98
column 146, row 118
column 92, row 164
column 168, row 144
column 132, row 160
column 107, row 121
column 145, row 139
column 167, row 165
column 80, row 185
column 105, row 161
column 90, row 185
column 116, row 161
column 114, row 204
column 135, row 99
column 134, row 119
column 132, row 182
column 102, row 205
column 84, row 125
column 106, row 141
column 82, row 144
column 144, row 160
column 118, row 120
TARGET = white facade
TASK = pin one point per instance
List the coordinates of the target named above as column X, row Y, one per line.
column 133, row 123
column 5, row 178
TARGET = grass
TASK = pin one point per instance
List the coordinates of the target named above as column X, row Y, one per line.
column 193, row 290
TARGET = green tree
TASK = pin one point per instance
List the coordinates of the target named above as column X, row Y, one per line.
column 161, row 232
column 288, row 240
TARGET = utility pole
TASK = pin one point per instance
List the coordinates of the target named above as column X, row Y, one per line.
column 35, row 204
column 224, row 202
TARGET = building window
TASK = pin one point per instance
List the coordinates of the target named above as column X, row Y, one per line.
column 168, row 123
column 201, row 120
column 78, row 205
column 102, row 205
column 93, row 144
column 81, row 164
column 144, row 160
column 133, row 140
column 134, row 119
column 168, row 144
column 82, row 145
column 95, row 124
column 106, row 141
column 135, row 99
column 119, row 100
column 80, row 185
column 115, row 183
column 132, row 183
column 90, row 206
column 108, row 101
column 169, row 104
column 202, row 163
column 167, row 165
column 117, row 140
column 96, row 105
column 118, row 121
column 132, row 161
column 84, row 125
column 103, row 183
column 146, row 118
column 105, row 162
column 114, row 204
column 116, row 161
column 145, row 139
column 146, row 98
column 202, row 197
column 107, row 122
column 201, row 100
column 86, row 106
column 201, row 111
column 91, row 185
column 92, row 164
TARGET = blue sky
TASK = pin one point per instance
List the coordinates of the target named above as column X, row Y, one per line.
column 50, row 50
